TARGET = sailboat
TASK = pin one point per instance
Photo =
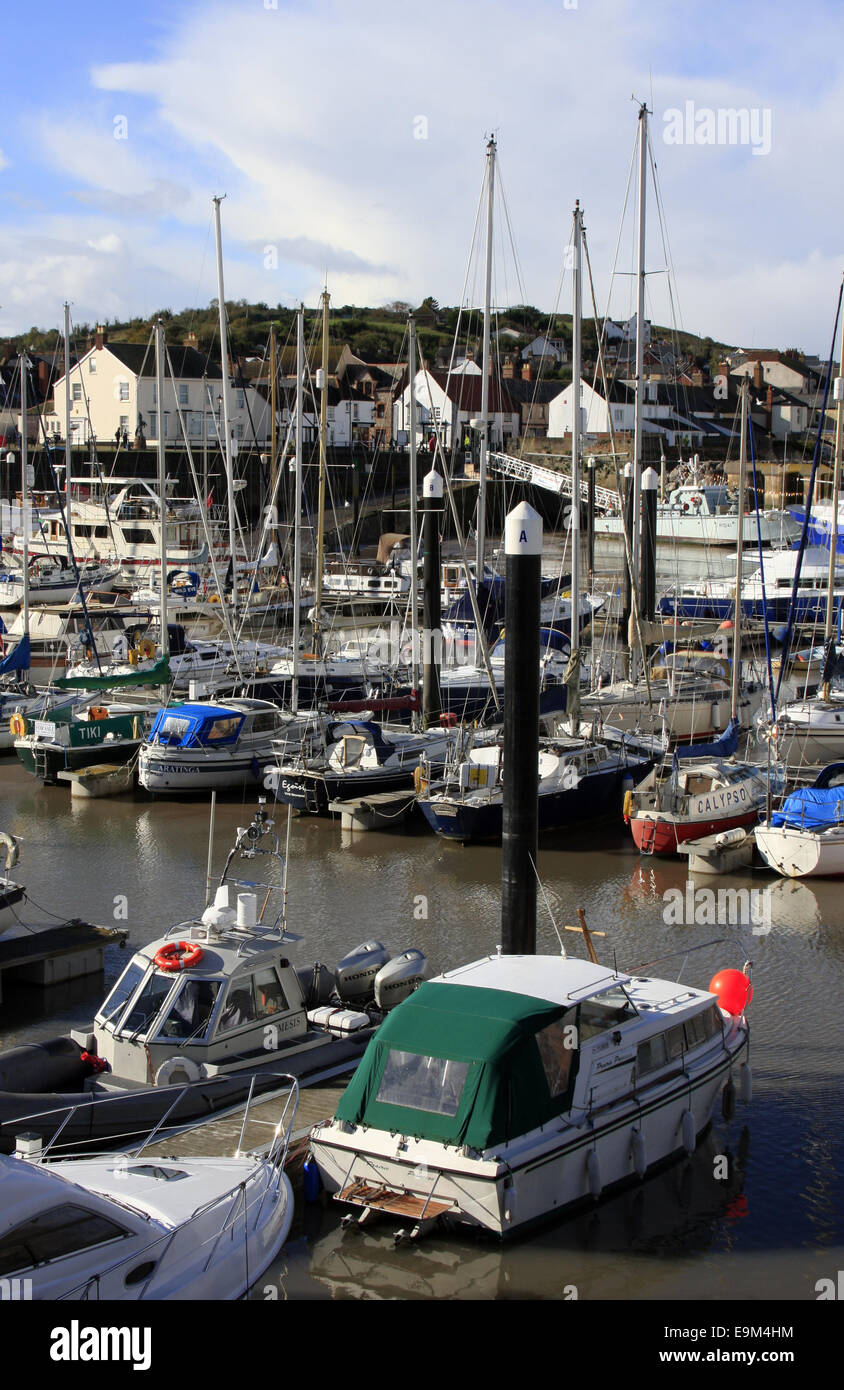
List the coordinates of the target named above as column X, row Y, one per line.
column 504, row 1091
column 805, row 838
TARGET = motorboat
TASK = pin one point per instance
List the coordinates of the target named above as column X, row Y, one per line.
column 345, row 758
column 805, row 838
column 578, row 779
column 132, row 1227
column 708, row 514
column 766, row 593
column 202, row 1017
column 505, row 1091
column 71, row 736
column 200, row 745
column 808, row 733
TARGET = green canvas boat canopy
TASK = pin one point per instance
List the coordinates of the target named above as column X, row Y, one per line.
column 159, row 674
column 465, row 1064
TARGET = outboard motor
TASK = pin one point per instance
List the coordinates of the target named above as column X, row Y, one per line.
column 399, row 978
column 356, row 972
column 318, row 984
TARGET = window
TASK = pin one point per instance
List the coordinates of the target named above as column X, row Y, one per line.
column 138, row 535
column 606, row 1011
column 557, row 1048
column 238, row 431
column 195, row 423
column 123, row 990
column 191, row 1010
column 651, row 1054
column 153, row 424
column 147, row 1004
column 124, row 422
column 432, row 1084
column 239, row 1006
column 183, row 395
column 241, row 400
column 92, row 365
column 269, row 995
column 77, row 391
column 53, row 1235
column 695, row 1031
column 124, row 390
column 220, row 729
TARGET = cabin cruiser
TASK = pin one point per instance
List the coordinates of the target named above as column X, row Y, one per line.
column 708, row 514
column 74, row 735
column 805, row 838
column 202, row 1017
column 213, row 744
column 51, row 582
column 137, row 1227
column 342, row 759
column 579, row 779
column 766, row 593
column 504, row 1091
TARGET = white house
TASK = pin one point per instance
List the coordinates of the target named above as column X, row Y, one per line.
column 113, row 391
column 448, row 404
column 546, row 350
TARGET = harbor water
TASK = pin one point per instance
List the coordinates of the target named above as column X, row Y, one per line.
column 757, row 1212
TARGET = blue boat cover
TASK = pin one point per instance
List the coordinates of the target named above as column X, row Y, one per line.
column 811, row 808
column 18, row 659
column 722, row 747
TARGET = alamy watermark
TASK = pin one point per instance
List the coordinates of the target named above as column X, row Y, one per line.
column 721, row 125
column 710, row 907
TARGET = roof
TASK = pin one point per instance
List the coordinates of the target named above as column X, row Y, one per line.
column 187, row 362
column 554, row 979
column 534, row 392
column 465, row 391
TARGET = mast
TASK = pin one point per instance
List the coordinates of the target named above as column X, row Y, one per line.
column 162, row 472
column 24, row 364
column 485, row 368
column 67, row 424
column 227, row 442
column 838, row 390
column 414, row 522
column 575, row 457
column 323, row 427
column 297, row 507
column 640, row 344
column 736, row 671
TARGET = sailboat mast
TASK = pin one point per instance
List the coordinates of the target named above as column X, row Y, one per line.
column 575, row 431
column 162, row 478
column 227, row 442
column 24, row 366
column 414, row 522
column 736, row 672
column 297, row 506
column 483, row 446
column 323, row 428
column 67, row 424
column 838, row 390
column 640, row 343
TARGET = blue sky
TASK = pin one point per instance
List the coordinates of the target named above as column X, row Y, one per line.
column 122, row 121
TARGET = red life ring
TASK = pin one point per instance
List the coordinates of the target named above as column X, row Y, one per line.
column 696, row 501
column 178, row 955
column 448, row 720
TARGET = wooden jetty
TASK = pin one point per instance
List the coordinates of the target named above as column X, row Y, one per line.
column 51, row 955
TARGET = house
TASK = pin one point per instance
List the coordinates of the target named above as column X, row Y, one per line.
column 533, row 399
column 448, row 404
column 546, row 350
column 776, row 369
column 684, row 415
column 113, row 392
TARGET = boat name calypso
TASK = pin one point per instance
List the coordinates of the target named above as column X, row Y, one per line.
column 720, row 801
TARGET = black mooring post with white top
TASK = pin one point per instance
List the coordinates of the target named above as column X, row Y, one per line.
column 627, row 578
column 647, row 585
column 523, row 549
column 432, row 506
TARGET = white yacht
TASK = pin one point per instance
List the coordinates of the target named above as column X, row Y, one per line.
column 708, row 514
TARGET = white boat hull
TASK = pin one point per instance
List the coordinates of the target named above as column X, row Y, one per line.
column 798, row 853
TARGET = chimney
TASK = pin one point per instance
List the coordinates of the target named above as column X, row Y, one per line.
column 769, row 400
column 191, row 341
column 527, row 372
column 100, row 337
column 507, row 369
column 757, row 376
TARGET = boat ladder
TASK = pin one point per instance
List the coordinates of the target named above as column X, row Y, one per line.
column 648, row 835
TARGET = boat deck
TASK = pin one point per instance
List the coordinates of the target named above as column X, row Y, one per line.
column 221, row 1136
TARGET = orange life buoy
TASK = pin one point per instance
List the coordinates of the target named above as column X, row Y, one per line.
column 178, row 955
column 17, row 725
column 448, row 720
column 97, row 712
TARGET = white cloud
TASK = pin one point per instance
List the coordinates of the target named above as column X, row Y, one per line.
column 308, row 119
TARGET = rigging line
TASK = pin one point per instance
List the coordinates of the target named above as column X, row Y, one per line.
column 547, row 904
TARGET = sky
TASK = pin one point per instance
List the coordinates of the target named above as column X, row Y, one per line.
column 349, row 137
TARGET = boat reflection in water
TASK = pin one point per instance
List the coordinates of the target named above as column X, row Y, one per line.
column 681, row 1209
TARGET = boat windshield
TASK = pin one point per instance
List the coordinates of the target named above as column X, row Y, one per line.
column 123, row 990
column 190, row 1012
column 423, row 1083
column 147, row 1004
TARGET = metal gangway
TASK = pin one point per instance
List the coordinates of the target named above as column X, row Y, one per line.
column 552, row 479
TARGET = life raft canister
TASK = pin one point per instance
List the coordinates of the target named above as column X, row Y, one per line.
column 178, row 955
